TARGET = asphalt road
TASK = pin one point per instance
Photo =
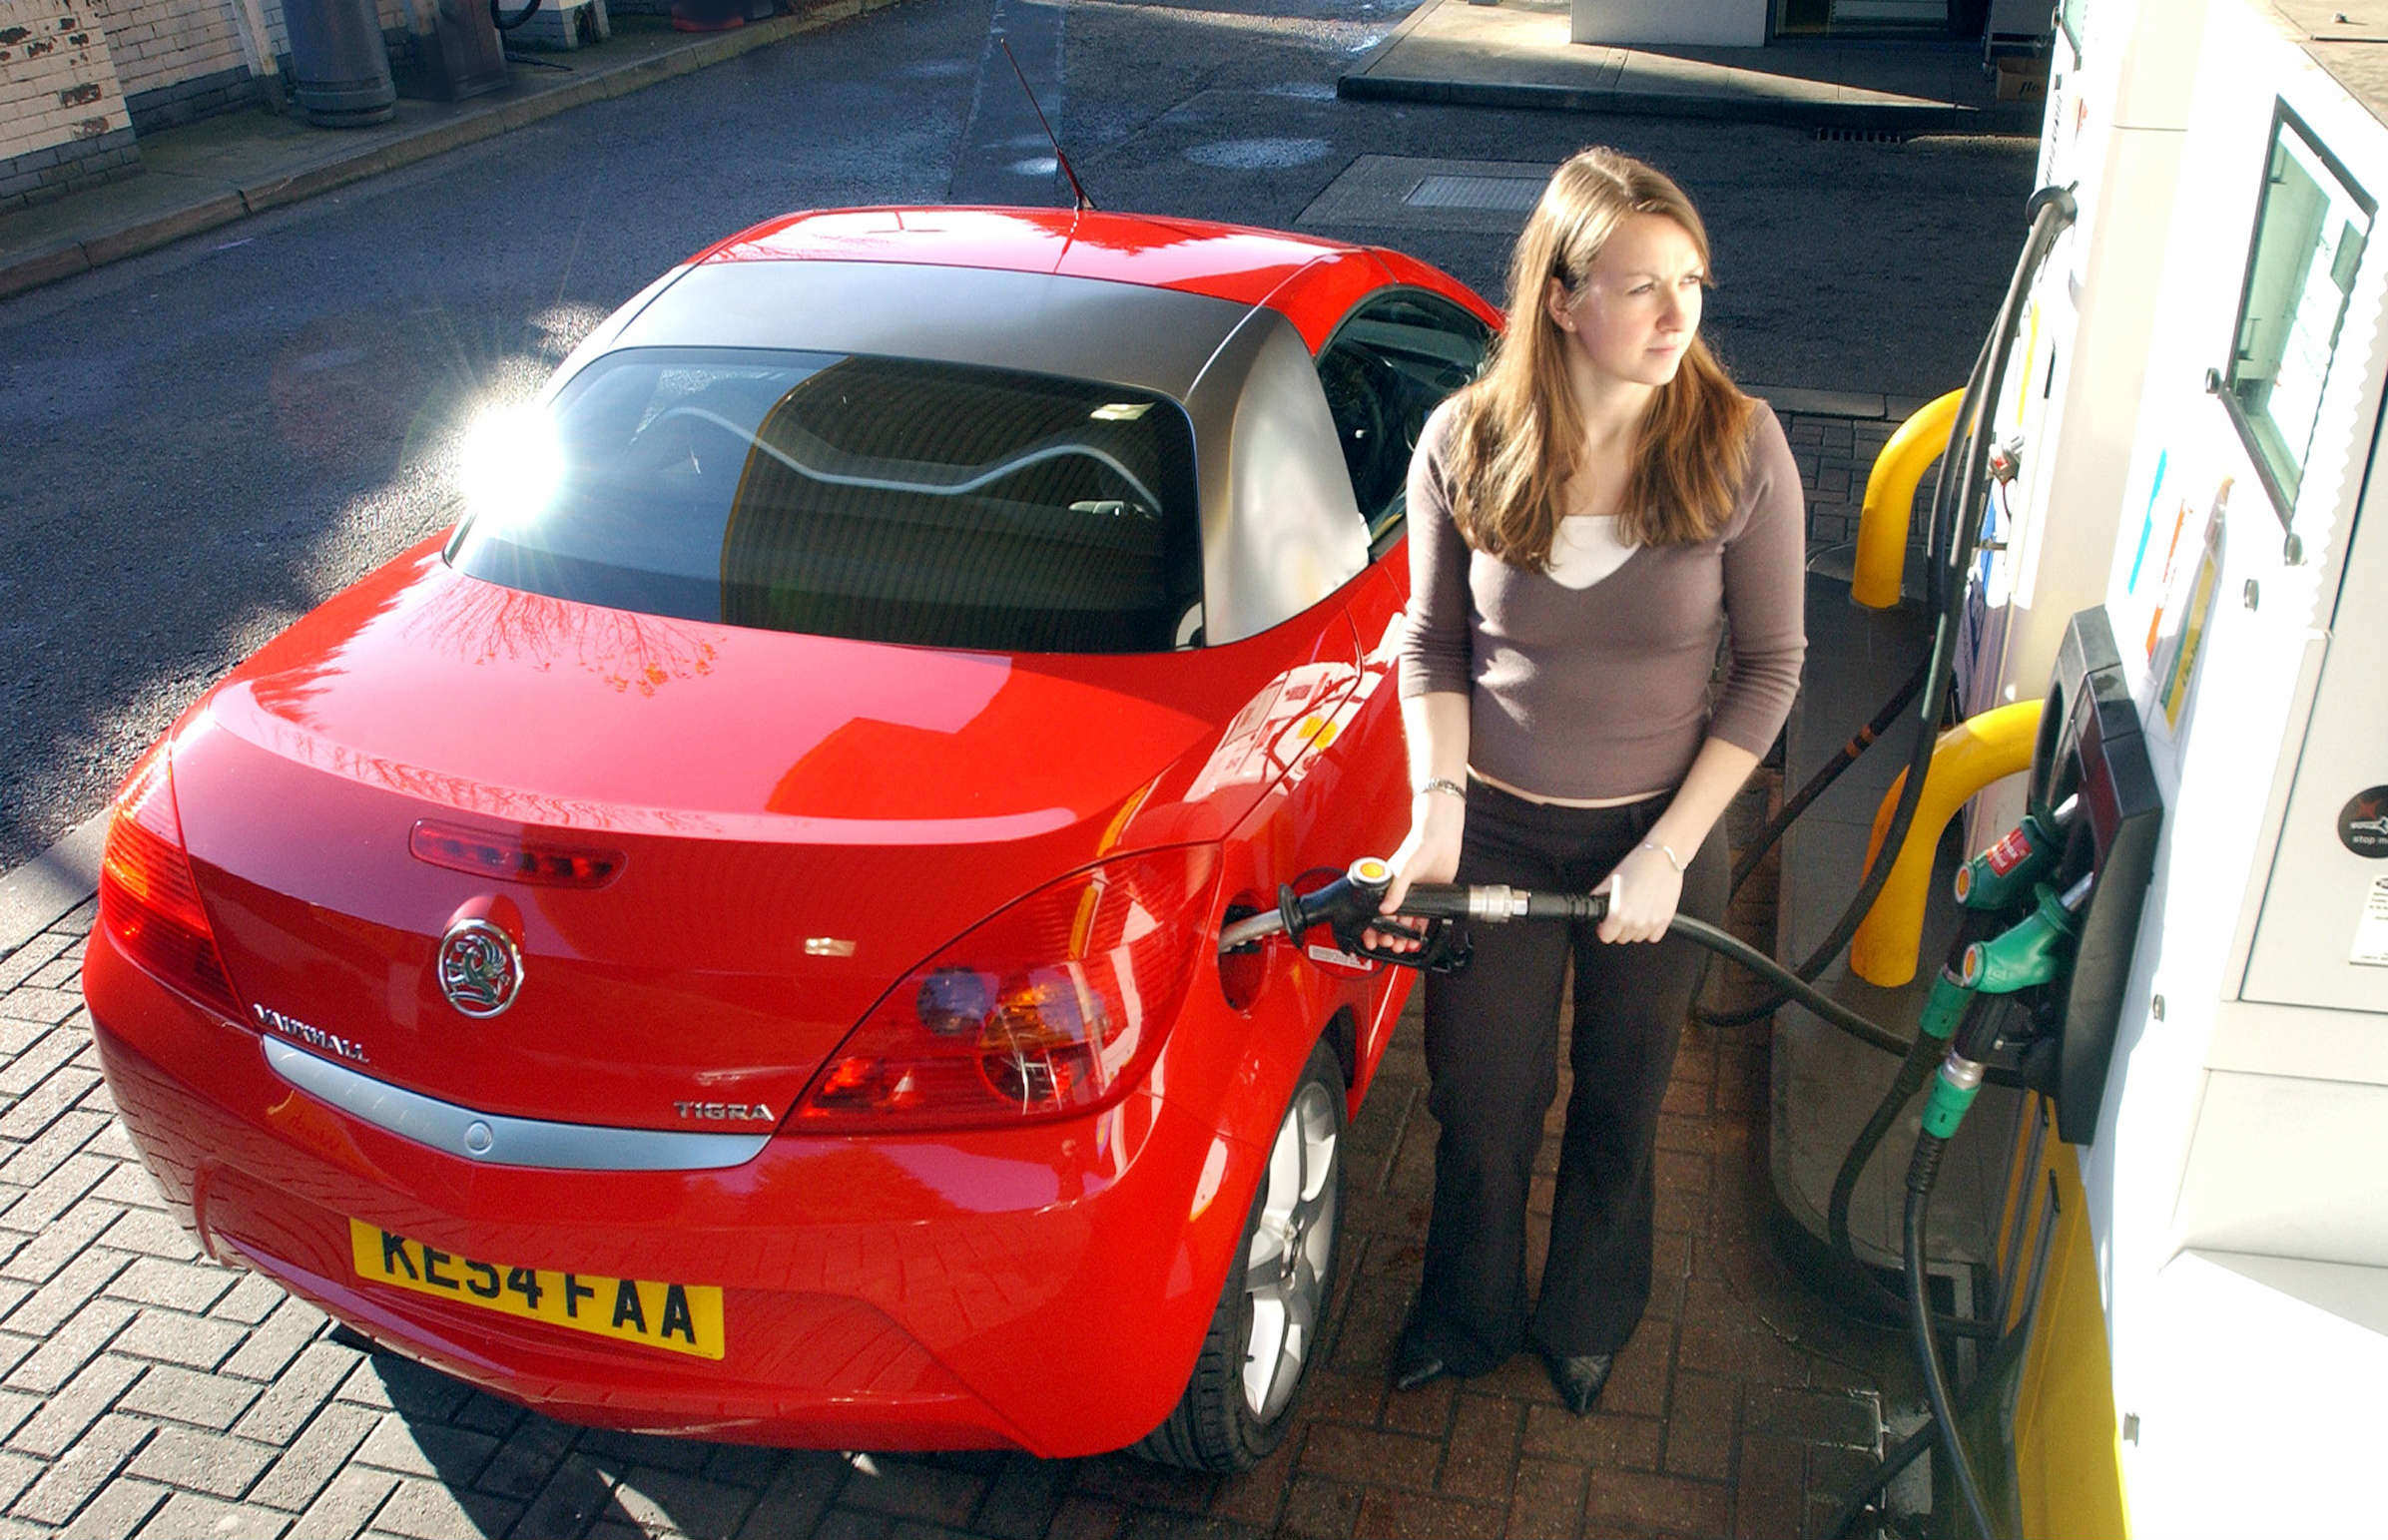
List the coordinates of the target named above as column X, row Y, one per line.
column 204, row 442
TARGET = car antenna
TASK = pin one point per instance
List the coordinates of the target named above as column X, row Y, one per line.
column 1077, row 190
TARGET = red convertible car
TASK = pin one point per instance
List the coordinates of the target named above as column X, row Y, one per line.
column 724, row 942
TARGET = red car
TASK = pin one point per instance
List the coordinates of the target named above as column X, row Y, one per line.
column 725, row 942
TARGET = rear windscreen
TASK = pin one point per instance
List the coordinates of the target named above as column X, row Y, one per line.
column 888, row 499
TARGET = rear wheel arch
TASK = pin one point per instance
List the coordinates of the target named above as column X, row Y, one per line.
column 1268, row 1321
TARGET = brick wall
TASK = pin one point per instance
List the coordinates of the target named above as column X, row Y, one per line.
column 194, row 96
column 396, row 17
column 163, row 45
column 79, row 76
column 62, row 123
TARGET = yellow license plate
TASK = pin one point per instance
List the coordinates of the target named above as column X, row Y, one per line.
column 677, row 1317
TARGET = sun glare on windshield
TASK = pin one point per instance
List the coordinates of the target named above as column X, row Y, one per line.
column 510, row 465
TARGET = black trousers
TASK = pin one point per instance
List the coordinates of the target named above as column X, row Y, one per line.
column 1491, row 1062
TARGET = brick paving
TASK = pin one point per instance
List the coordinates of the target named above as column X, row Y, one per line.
column 145, row 1391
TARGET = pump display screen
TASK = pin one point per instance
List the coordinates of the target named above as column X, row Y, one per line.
column 2073, row 16
column 2310, row 231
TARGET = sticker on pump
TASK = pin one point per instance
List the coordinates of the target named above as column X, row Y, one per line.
column 2363, row 823
column 2009, row 853
column 2371, row 931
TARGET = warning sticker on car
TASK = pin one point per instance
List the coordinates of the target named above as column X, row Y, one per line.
column 677, row 1317
column 2371, row 931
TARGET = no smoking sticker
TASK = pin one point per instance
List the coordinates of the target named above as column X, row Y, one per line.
column 2371, row 931
column 2363, row 823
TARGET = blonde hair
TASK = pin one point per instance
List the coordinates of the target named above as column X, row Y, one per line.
column 1516, row 439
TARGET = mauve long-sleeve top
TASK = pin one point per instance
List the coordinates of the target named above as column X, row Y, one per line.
column 1602, row 690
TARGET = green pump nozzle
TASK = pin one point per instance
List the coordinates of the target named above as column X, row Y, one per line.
column 2001, row 876
column 1945, row 1007
column 2030, row 952
column 2035, row 950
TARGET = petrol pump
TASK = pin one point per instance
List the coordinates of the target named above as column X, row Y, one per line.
column 2188, row 1241
column 2058, row 434
column 2233, row 1188
column 2062, row 426
column 2142, row 1236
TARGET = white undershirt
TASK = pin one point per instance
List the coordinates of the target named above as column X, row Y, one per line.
column 1586, row 549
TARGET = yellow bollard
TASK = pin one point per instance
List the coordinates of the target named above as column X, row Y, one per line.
column 1969, row 757
column 1890, row 497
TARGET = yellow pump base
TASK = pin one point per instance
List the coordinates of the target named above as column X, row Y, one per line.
column 2063, row 1438
column 1969, row 757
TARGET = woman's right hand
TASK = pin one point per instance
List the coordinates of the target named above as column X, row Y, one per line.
column 1428, row 854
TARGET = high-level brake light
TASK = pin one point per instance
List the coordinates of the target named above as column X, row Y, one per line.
column 516, row 856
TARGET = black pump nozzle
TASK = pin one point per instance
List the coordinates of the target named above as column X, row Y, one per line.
column 1350, row 907
column 1352, row 904
column 1350, row 899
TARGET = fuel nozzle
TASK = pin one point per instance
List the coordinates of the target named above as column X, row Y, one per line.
column 2001, row 875
column 2030, row 952
column 1349, row 899
column 1354, row 896
column 1349, row 908
column 1945, row 1007
column 2033, row 951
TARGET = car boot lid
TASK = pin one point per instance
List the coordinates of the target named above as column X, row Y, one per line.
column 730, row 843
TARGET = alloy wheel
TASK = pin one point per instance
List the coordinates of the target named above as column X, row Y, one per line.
column 1287, row 1272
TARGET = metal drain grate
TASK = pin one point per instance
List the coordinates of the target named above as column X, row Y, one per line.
column 1860, row 137
column 1498, row 195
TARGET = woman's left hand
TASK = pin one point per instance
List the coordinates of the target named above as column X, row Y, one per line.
column 1642, row 893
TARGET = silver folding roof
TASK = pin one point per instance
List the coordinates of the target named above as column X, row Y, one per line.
column 1280, row 529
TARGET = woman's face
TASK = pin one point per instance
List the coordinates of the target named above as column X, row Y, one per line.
column 1639, row 308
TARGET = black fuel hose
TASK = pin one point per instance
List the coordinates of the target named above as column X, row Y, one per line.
column 1995, row 1365
column 1820, row 783
column 1348, row 906
column 1734, row 949
column 1914, row 1069
column 2002, row 1356
column 1953, row 532
column 1922, row 1056
column 1922, row 1173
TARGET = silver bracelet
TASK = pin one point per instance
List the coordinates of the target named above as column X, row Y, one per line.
column 1445, row 786
column 1672, row 859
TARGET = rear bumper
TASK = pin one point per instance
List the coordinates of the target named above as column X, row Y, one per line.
column 1045, row 1288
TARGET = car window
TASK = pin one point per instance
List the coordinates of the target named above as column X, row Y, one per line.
column 888, row 499
column 1385, row 368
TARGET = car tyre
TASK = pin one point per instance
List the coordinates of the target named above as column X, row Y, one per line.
column 1272, row 1310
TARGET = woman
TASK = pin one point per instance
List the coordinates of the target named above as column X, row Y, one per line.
column 1586, row 521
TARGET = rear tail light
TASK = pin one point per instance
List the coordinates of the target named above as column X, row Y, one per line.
column 148, row 901
column 516, row 856
column 1053, row 1009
